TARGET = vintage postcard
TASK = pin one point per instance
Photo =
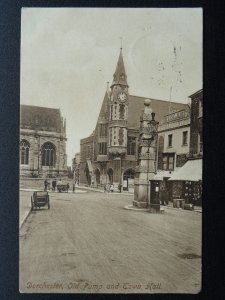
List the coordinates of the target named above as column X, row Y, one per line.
column 111, row 149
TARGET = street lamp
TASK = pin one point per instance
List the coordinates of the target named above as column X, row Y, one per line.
column 152, row 131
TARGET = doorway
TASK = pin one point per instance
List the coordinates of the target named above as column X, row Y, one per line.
column 128, row 179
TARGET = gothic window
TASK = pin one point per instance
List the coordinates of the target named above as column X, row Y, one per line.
column 97, row 176
column 110, row 137
column 102, row 130
column 110, row 175
column 200, row 144
column 121, row 136
column 115, row 110
column 88, row 149
column 122, row 111
column 24, row 152
column 111, row 112
column 102, row 148
column 48, row 155
column 131, row 145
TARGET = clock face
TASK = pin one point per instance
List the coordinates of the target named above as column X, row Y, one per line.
column 122, row 97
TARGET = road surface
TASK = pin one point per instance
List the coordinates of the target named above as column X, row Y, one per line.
column 88, row 243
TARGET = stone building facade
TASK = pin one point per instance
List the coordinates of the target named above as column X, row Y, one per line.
column 110, row 153
column 173, row 148
column 196, row 131
column 42, row 142
column 187, row 181
column 174, row 140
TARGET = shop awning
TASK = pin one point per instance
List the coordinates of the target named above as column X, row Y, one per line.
column 191, row 171
column 90, row 168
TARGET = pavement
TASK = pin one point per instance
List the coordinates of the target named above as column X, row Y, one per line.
column 88, row 243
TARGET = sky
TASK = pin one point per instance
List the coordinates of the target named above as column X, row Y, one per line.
column 69, row 54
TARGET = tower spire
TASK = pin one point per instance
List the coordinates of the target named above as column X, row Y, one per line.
column 121, row 43
column 120, row 76
column 107, row 88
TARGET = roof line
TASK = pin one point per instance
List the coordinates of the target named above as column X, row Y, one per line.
column 158, row 99
column 198, row 92
column 39, row 106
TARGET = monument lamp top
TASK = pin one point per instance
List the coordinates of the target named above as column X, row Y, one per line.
column 147, row 102
column 153, row 124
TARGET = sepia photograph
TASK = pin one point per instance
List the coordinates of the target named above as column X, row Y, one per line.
column 111, row 150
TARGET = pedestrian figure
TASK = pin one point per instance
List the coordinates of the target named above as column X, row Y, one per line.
column 105, row 188
column 163, row 195
column 46, row 184
column 53, row 185
column 74, row 188
column 67, row 187
column 166, row 196
column 111, row 188
column 120, row 187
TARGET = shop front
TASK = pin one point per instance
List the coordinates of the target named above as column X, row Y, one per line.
column 187, row 182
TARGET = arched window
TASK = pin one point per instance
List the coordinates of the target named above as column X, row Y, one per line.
column 97, row 176
column 24, row 152
column 131, row 145
column 110, row 175
column 48, row 155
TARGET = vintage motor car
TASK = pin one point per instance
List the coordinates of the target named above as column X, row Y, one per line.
column 40, row 199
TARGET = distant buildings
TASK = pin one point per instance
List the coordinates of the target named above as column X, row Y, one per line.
column 76, row 168
column 110, row 153
column 42, row 142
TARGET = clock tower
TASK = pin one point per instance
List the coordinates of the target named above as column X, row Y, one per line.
column 118, row 102
column 119, row 99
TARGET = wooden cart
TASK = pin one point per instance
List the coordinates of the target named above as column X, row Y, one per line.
column 40, row 199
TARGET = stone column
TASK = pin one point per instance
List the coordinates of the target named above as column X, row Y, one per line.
column 146, row 159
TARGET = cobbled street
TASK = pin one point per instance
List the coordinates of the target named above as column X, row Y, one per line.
column 88, row 243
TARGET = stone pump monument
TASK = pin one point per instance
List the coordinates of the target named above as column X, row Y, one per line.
column 146, row 160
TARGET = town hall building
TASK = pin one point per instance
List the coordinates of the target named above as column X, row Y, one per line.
column 110, row 153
